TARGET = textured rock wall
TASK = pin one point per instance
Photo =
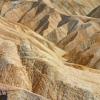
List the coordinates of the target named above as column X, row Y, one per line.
column 38, row 66
column 50, row 59
column 77, row 35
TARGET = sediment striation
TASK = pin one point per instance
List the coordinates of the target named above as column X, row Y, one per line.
column 47, row 53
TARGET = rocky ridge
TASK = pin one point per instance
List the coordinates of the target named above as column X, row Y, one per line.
column 49, row 59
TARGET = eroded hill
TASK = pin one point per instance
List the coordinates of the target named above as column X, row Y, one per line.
column 77, row 35
column 45, row 53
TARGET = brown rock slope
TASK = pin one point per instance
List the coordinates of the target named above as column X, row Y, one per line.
column 77, row 7
column 77, row 35
column 33, row 68
column 13, row 93
column 30, row 63
column 95, row 12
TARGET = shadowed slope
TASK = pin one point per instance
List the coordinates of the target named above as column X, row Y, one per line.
column 95, row 12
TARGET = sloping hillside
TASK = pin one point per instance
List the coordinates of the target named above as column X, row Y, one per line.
column 77, row 35
column 30, row 62
column 48, row 53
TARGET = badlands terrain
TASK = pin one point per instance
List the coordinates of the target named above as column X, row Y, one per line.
column 49, row 49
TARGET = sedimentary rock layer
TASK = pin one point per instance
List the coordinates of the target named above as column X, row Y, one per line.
column 77, row 35
column 30, row 62
column 49, row 57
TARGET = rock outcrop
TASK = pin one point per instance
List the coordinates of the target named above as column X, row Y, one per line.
column 95, row 12
column 77, row 7
column 30, row 62
column 45, row 53
column 13, row 93
column 77, row 35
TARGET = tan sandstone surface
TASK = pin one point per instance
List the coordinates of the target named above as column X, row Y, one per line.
column 46, row 52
